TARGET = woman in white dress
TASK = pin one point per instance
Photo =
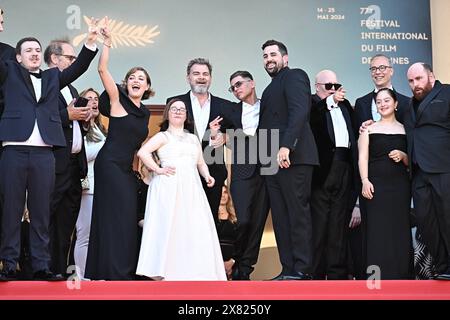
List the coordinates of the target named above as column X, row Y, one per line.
column 94, row 140
column 179, row 240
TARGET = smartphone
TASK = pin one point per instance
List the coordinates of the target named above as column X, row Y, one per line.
column 81, row 102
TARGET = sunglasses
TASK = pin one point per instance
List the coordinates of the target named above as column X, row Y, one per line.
column 329, row 85
column 237, row 85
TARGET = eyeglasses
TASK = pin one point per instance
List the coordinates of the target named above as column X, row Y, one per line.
column 382, row 68
column 330, row 85
column 176, row 110
column 237, row 85
column 69, row 57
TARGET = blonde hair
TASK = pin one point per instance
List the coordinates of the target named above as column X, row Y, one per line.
column 230, row 207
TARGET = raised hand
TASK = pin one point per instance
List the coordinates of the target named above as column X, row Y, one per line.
column 93, row 31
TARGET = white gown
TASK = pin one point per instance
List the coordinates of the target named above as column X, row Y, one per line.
column 179, row 240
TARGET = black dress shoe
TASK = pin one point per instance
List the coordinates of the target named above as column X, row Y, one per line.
column 443, row 276
column 46, row 275
column 8, row 275
column 279, row 277
column 299, row 276
column 243, row 276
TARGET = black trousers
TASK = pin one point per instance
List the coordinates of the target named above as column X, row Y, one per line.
column 214, row 194
column 431, row 195
column 65, row 206
column 26, row 169
column 251, row 203
column 329, row 210
column 289, row 193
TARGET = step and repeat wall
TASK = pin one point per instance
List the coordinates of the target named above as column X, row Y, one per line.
column 163, row 35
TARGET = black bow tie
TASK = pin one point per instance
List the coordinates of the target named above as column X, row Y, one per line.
column 36, row 74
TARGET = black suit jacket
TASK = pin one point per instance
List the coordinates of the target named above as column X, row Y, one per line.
column 323, row 130
column 62, row 155
column 215, row 169
column 244, row 165
column 7, row 52
column 21, row 109
column 428, row 132
column 286, row 107
column 363, row 108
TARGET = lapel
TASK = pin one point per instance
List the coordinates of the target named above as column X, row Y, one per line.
column 26, row 77
column 44, row 84
column 426, row 102
column 187, row 101
column 73, row 91
column 330, row 127
column 348, row 122
column 368, row 108
column 237, row 114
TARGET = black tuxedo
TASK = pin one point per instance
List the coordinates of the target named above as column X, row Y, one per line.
column 284, row 118
column 428, row 134
column 248, row 191
column 217, row 170
column 66, row 197
column 363, row 108
column 331, row 194
column 28, row 168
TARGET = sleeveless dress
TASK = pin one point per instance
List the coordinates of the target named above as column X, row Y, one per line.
column 389, row 240
column 113, row 240
column 179, row 240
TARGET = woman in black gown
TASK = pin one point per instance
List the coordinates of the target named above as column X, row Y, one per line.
column 386, row 186
column 227, row 231
column 113, row 243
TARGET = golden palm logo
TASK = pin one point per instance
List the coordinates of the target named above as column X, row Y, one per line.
column 123, row 34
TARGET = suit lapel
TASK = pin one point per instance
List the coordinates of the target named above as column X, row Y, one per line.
column 237, row 114
column 426, row 102
column 368, row 105
column 330, row 127
column 26, row 76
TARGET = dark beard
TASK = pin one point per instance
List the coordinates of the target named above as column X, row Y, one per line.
column 424, row 93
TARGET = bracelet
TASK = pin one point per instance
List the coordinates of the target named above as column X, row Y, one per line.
column 362, row 179
column 108, row 45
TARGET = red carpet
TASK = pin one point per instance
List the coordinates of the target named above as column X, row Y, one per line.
column 233, row 290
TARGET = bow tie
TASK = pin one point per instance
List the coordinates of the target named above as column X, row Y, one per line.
column 36, row 74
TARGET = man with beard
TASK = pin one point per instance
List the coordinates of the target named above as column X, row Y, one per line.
column 203, row 108
column 284, row 118
column 427, row 124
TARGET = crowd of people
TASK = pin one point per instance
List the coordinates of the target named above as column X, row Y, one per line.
column 308, row 158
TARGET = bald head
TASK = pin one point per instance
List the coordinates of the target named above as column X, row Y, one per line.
column 421, row 79
column 323, row 77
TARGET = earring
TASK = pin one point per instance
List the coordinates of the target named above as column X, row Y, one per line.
column 396, row 109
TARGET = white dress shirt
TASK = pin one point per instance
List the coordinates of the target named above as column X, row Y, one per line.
column 250, row 117
column 339, row 125
column 201, row 115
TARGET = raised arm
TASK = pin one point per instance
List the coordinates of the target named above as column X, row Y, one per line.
column 105, row 75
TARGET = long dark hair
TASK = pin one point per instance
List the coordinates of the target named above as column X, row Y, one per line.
column 188, row 124
column 90, row 135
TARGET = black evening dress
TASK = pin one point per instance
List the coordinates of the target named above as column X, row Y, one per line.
column 389, row 242
column 113, row 241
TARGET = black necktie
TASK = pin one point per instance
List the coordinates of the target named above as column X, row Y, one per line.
column 36, row 74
